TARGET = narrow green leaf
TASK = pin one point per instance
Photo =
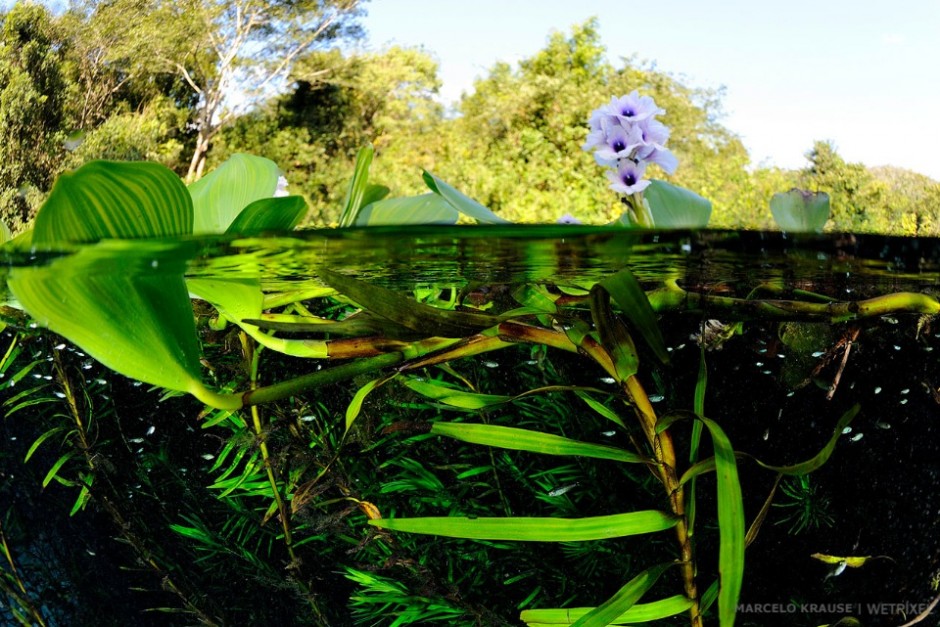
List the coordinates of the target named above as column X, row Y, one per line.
column 105, row 199
column 623, row 599
column 269, row 214
column 632, row 301
column 675, row 207
column 800, row 211
column 600, row 408
column 823, row 455
column 423, row 209
column 56, row 467
column 454, row 397
column 460, row 202
column 407, row 312
column 730, row 525
column 639, row 613
column 613, row 334
column 83, row 495
column 42, row 438
column 534, row 529
column 358, row 187
column 532, row 441
column 221, row 195
column 355, row 405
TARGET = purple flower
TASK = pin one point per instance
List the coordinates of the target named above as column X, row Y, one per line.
column 628, row 177
column 619, row 142
column 633, row 107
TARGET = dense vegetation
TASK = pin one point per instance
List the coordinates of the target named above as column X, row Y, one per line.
column 85, row 85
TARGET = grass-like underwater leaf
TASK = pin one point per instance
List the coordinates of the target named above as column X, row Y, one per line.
column 629, row 296
column 534, row 529
column 639, row 613
column 517, row 439
column 623, row 599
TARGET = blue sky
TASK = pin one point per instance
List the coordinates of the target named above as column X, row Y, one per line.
column 863, row 74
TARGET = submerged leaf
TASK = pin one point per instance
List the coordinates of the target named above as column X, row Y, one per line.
column 639, row 613
column 627, row 293
column 623, row 599
column 535, row 529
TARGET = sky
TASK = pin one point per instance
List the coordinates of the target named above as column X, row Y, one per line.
column 864, row 75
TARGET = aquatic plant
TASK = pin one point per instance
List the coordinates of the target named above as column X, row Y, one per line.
column 806, row 506
column 139, row 321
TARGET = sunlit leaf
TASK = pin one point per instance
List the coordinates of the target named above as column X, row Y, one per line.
column 800, row 211
column 623, row 599
column 532, row 441
column 105, row 199
column 5, row 234
column 464, row 204
column 358, row 187
column 221, row 195
column 269, row 214
column 675, row 207
column 535, row 529
column 423, row 209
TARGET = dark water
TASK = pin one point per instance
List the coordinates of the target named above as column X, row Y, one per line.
column 875, row 497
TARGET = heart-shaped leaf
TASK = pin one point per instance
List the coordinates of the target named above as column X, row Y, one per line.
column 221, row 195
column 105, row 199
column 269, row 214
column 676, row 207
column 800, row 211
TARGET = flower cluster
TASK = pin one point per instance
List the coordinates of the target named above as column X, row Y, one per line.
column 625, row 136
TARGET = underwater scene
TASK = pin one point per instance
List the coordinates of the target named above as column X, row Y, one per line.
column 472, row 425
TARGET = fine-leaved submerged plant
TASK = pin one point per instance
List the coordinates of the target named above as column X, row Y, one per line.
column 127, row 270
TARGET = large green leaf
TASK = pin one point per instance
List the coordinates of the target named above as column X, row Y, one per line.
column 105, row 199
column 221, row 195
column 423, row 209
column 676, row 207
column 5, row 234
column 535, row 529
column 126, row 305
column 800, row 211
column 462, row 203
column 269, row 214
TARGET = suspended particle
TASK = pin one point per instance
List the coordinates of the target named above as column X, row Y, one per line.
column 101, row 382
column 758, row 363
column 766, row 372
column 766, row 434
column 896, row 347
column 762, row 351
column 790, row 393
column 680, row 347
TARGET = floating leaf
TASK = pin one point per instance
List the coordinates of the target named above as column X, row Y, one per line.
column 675, row 207
column 105, row 199
column 800, row 211
column 221, row 195
column 423, row 209
column 460, row 202
column 269, row 214
column 532, row 441
column 535, row 529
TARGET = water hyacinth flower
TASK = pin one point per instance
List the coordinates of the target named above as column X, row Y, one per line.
column 625, row 136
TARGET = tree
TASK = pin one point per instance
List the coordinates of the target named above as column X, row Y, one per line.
column 32, row 90
column 857, row 199
column 234, row 53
